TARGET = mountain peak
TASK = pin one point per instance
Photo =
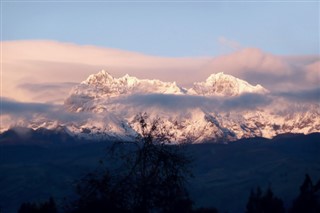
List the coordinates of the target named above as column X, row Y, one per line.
column 110, row 106
column 217, row 84
column 102, row 85
column 219, row 76
column 220, row 84
column 129, row 80
column 100, row 78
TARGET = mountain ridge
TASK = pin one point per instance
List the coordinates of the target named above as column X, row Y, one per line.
column 103, row 78
column 225, row 85
column 221, row 109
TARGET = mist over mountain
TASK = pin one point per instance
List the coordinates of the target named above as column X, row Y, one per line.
column 223, row 108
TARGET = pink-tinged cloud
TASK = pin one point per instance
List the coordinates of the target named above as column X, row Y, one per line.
column 230, row 44
column 313, row 72
column 250, row 60
column 46, row 70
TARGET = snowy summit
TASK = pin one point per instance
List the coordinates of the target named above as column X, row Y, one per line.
column 221, row 109
column 221, row 84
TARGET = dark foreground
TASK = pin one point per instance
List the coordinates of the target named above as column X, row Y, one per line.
column 223, row 174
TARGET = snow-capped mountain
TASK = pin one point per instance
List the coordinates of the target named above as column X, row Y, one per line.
column 221, row 109
column 224, row 85
column 104, row 86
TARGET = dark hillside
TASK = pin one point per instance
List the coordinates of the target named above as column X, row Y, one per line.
column 223, row 174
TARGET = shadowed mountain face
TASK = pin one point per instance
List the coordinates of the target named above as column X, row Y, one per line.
column 223, row 174
column 220, row 109
column 41, row 136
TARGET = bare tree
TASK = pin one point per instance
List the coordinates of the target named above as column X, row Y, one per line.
column 147, row 175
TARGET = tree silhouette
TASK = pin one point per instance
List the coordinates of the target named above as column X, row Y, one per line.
column 46, row 207
column 148, row 175
column 264, row 203
column 205, row 210
column 308, row 199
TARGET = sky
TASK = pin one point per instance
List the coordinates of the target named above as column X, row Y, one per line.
column 169, row 29
column 50, row 46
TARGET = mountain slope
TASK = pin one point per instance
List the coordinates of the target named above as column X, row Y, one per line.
column 224, row 85
column 221, row 109
column 220, row 171
column 103, row 85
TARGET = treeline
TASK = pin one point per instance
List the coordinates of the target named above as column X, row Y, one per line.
column 308, row 201
column 149, row 175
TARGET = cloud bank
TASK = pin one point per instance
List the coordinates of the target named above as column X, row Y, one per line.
column 303, row 96
column 167, row 102
column 16, row 113
column 16, row 110
column 45, row 71
column 9, row 106
column 170, row 102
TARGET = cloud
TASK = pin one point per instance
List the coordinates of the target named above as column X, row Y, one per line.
column 28, row 66
column 51, row 62
column 17, row 110
column 185, row 102
column 233, row 45
column 248, row 101
column 248, row 60
column 33, row 87
column 244, row 102
column 313, row 72
column 9, row 106
column 55, row 92
column 271, row 71
column 167, row 101
column 304, row 96
column 13, row 112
